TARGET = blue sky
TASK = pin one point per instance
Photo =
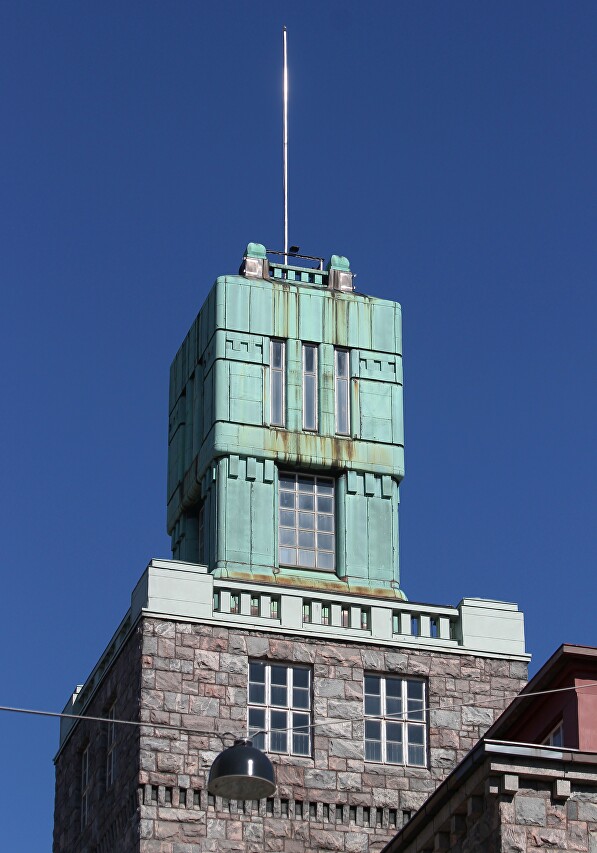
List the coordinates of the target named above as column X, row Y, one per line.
column 447, row 148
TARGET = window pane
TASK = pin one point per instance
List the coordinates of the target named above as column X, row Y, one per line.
column 325, row 541
column 306, row 484
column 394, row 747
column 287, row 482
column 415, row 700
column 325, row 560
column 306, row 539
column 279, row 696
column 257, row 724
column 306, row 520
column 325, row 522
column 325, row 487
column 394, row 697
column 307, row 559
column 287, row 557
column 414, row 690
column 257, row 693
column 395, row 753
column 372, row 730
column 257, row 671
column 300, row 697
column 310, row 403
column 342, row 407
column 287, row 517
column 372, row 740
column 277, row 398
column 325, row 504
column 394, row 732
column 279, row 735
column 287, row 536
column 373, row 705
column 279, row 675
column 277, row 354
column 287, row 500
column 342, row 363
column 300, row 677
column 416, row 749
column 372, row 750
column 373, row 684
column 307, row 501
column 309, row 359
column 300, row 736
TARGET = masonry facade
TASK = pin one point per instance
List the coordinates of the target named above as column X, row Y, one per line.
column 282, row 615
column 509, row 798
column 191, row 672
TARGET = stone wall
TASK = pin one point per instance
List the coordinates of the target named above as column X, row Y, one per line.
column 509, row 798
column 113, row 811
column 195, row 676
column 536, row 820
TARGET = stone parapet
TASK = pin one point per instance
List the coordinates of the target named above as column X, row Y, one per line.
column 184, row 591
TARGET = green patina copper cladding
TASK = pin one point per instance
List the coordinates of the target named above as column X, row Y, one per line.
column 225, row 456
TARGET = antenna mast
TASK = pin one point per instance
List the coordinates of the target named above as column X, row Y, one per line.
column 285, row 145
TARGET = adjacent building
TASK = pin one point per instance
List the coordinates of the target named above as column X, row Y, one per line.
column 282, row 613
column 531, row 782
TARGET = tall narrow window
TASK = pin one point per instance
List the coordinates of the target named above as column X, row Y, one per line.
column 277, row 368
column 280, row 707
column 395, row 720
column 111, row 746
column 306, row 535
column 85, row 787
column 342, row 392
column 309, row 386
column 201, row 535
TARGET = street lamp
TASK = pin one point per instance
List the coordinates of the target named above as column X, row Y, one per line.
column 242, row 772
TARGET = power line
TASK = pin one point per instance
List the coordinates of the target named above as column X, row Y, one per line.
column 330, row 721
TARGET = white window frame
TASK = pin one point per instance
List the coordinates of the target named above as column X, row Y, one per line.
column 297, row 553
column 277, row 373
column 85, row 787
column 282, row 727
column 339, row 383
column 111, row 745
column 308, row 374
column 408, row 721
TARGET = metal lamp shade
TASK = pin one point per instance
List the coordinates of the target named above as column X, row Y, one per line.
column 242, row 772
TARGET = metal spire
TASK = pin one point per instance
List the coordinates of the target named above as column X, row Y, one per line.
column 285, row 144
